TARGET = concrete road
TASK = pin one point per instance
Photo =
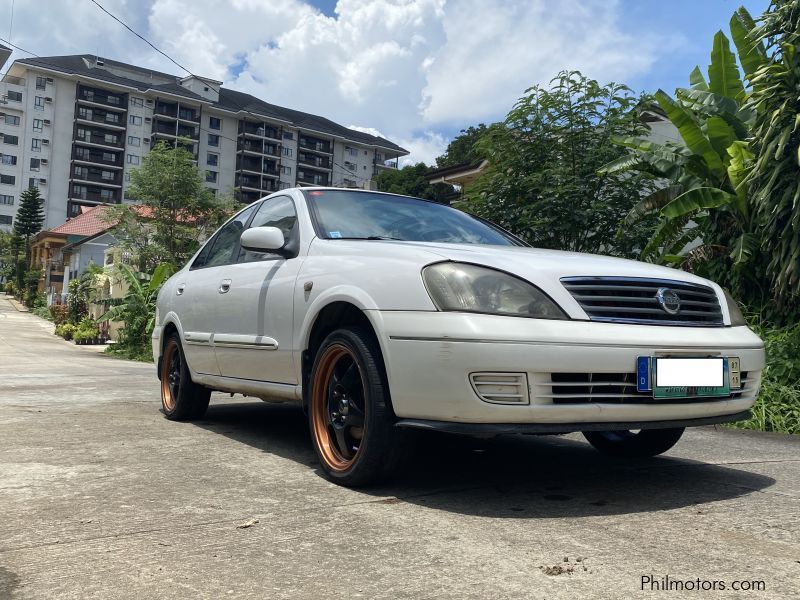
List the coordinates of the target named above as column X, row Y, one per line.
column 101, row 497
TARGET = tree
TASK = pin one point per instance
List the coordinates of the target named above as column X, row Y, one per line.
column 542, row 182
column 775, row 177
column 30, row 218
column 175, row 213
column 462, row 148
column 412, row 180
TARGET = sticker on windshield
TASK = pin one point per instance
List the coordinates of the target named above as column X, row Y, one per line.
column 335, row 234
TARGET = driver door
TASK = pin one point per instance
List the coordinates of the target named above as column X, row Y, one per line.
column 253, row 339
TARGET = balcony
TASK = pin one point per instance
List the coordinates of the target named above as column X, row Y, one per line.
column 174, row 110
column 99, row 137
column 111, row 178
column 11, row 80
column 102, row 97
column 313, row 178
column 105, row 118
column 315, row 144
column 94, row 194
column 97, row 157
column 261, row 130
column 311, row 160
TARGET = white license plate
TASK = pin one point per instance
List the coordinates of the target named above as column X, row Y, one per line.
column 691, row 372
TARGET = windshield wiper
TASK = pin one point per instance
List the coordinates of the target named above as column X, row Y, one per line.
column 369, row 237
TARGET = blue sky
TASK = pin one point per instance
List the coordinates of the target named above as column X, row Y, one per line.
column 415, row 71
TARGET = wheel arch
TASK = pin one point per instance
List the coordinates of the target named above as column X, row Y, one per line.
column 336, row 314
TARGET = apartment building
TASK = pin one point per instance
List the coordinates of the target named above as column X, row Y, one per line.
column 76, row 126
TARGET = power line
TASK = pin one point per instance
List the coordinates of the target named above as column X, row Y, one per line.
column 18, row 48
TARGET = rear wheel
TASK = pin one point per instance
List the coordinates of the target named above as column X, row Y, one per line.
column 181, row 398
column 647, row 442
column 351, row 421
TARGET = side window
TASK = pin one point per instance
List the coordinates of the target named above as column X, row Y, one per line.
column 220, row 249
column 276, row 212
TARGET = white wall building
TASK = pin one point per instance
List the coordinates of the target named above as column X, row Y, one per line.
column 75, row 126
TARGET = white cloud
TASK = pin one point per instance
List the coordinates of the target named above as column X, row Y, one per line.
column 399, row 66
column 423, row 148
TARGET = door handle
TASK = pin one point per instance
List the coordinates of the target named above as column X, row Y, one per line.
column 180, row 288
column 225, row 286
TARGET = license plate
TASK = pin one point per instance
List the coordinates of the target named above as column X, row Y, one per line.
column 686, row 377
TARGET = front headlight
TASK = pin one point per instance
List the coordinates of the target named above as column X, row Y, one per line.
column 737, row 318
column 463, row 287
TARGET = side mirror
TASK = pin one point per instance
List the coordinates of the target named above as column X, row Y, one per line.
column 262, row 239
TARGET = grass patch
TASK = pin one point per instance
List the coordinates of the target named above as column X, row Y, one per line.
column 130, row 353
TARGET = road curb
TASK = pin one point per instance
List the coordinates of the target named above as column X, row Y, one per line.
column 16, row 304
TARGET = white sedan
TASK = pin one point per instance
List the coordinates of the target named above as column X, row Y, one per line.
column 381, row 314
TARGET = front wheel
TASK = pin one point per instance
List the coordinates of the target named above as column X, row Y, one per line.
column 645, row 443
column 350, row 415
column 181, row 398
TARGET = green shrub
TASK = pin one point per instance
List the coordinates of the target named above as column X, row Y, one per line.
column 8, row 288
column 65, row 330
column 778, row 404
column 42, row 312
column 86, row 331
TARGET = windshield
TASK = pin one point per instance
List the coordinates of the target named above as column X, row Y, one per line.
column 344, row 214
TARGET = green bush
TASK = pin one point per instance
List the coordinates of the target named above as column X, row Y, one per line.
column 778, row 404
column 86, row 331
column 8, row 288
column 42, row 312
column 65, row 330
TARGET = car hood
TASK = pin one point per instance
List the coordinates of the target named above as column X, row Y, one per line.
column 534, row 263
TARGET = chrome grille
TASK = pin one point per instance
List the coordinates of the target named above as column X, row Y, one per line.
column 619, row 388
column 635, row 300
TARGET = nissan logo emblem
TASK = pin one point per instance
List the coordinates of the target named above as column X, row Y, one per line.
column 668, row 300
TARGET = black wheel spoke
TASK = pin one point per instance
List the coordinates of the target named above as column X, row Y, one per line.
column 342, row 443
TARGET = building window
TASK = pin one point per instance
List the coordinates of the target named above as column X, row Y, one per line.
column 349, row 182
column 288, row 135
column 350, row 166
column 107, row 194
column 212, row 159
column 214, row 123
column 107, row 175
column 133, row 159
column 8, row 159
column 211, row 176
column 81, row 172
column 113, row 100
column 11, row 119
column 137, row 102
column 287, row 152
column 8, row 179
column 127, row 176
column 6, row 200
column 351, row 151
column 109, row 157
column 213, row 140
column 36, row 145
column 37, row 125
column 12, row 140
column 286, row 170
column 134, row 120
column 111, row 138
column 112, row 118
column 41, row 83
column 5, row 219
column 134, row 141
column 38, row 103
column 33, row 183
column 14, row 96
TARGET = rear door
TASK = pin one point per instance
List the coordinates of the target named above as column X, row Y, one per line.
column 200, row 293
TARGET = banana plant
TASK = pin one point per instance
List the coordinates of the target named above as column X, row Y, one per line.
column 700, row 183
column 136, row 309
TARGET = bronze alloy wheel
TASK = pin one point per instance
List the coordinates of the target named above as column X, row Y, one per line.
column 338, row 407
column 170, row 375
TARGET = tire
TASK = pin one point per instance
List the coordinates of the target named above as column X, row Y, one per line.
column 624, row 443
column 349, row 410
column 181, row 398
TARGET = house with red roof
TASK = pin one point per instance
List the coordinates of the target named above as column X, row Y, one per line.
column 64, row 252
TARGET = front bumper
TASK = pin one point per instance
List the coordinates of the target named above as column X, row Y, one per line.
column 430, row 355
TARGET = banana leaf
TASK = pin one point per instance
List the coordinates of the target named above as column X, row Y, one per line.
column 696, row 199
column 723, row 74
